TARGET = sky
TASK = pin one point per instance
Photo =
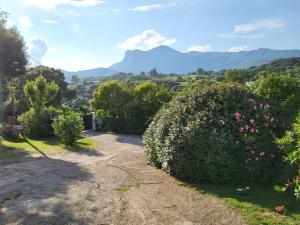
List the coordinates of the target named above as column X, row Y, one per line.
column 82, row 34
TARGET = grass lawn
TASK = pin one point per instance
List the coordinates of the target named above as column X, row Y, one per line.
column 29, row 146
column 257, row 205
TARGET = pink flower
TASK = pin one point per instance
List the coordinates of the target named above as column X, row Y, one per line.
column 237, row 116
column 252, row 152
column 237, row 142
column 221, row 122
column 241, row 129
column 262, row 153
column 252, row 121
column 256, row 130
column 261, row 106
column 246, row 127
column 272, row 119
column 256, row 158
column 254, row 107
column 252, row 130
column 280, row 209
column 266, row 106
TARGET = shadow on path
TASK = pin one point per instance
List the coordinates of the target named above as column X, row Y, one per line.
column 36, row 192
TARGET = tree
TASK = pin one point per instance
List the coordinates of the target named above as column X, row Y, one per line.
column 37, row 119
column 75, row 80
column 153, row 72
column 40, row 93
column 51, row 75
column 111, row 97
column 12, row 58
column 12, row 50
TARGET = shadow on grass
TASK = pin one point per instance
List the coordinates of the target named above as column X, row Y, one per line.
column 262, row 195
column 33, row 146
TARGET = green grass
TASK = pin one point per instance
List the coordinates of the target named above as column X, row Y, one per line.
column 256, row 206
column 29, row 146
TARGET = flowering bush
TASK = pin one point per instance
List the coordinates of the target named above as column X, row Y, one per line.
column 219, row 133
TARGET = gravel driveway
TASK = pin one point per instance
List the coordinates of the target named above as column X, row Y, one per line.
column 112, row 185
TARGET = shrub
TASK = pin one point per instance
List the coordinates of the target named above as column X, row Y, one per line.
column 218, row 133
column 68, row 127
column 37, row 124
column 290, row 145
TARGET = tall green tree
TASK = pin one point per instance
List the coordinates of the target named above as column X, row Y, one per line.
column 111, row 97
column 40, row 94
column 13, row 58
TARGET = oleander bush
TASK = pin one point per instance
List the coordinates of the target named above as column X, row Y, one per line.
column 218, row 133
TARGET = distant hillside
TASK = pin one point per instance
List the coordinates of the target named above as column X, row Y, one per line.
column 286, row 66
column 90, row 73
column 168, row 60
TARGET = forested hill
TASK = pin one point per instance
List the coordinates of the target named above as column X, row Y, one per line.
column 289, row 66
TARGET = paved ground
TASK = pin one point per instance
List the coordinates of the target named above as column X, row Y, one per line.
column 112, row 185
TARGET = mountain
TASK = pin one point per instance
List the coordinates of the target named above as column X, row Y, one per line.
column 168, row 60
column 90, row 73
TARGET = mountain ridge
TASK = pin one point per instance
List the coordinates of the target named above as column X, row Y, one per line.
column 168, row 60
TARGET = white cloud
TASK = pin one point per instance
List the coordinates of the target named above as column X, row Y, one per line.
column 50, row 21
column 255, row 29
column 37, row 49
column 238, row 48
column 24, row 21
column 144, row 8
column 199, row 48
column 147, row 40
column 51, row 4
column 265, row 24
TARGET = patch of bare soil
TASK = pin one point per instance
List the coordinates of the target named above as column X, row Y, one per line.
column 113, row 185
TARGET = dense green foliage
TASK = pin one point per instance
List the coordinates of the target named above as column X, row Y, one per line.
column 218, row 133
column 38, row 119
column 123, row 107
column 284, row 91
column 12, row 61
column 68, row 127
column 290, row 145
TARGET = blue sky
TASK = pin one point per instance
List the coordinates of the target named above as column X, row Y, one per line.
column 82, row 34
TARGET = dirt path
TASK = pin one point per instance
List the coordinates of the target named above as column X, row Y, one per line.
column 113, row 185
